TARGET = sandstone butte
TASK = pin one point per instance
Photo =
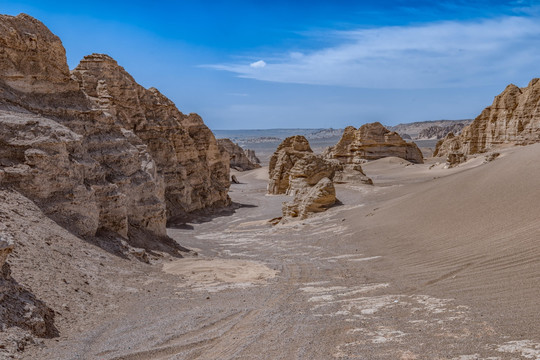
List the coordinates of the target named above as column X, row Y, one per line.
column 512, row 119
column 240, row 159
column 96, row 151
column 370, row 142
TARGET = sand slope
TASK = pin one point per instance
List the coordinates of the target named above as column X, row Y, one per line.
column 474, row 235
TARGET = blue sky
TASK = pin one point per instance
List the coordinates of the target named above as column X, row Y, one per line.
column 297, row 64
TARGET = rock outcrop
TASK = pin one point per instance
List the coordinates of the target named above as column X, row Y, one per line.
column 295, row 170
column 350, row 173
column 185, row 151
column 250, row 154
column 512, row 119
column 317, row 198
column 95, row 150
column 239, row 159
column 307, row 172
column 286, row 155
column 370, row 142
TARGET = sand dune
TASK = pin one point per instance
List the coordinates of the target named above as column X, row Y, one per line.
column 474, row 235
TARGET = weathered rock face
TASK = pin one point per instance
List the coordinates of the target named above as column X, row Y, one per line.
column 90, row 174
column 512, row 119
column 370, row 142
column 96, row 151
column 252, row 157
column 307, row 172
column 350, row 173
column 31, row 59
column 317, row 198
column 184, row 149
column 38, row 157
column 20, row 310
column 295, row 170
column 239, row 158
column 286, row 155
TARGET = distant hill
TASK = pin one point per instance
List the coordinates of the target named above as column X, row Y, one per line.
column 415, row 129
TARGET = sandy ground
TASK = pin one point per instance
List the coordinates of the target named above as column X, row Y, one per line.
column 430, row 263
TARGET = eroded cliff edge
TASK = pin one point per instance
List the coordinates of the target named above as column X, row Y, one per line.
column 94, row 149
column 512, row 119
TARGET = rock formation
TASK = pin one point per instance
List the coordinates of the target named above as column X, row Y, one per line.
column 286, row 155
column 370, row 142
column 312, row 199
column 307, row 172
column 95, row 150
column 240, row 159
column 185, row 151
column 512, row 119
column 350, row 173
column 250, row 154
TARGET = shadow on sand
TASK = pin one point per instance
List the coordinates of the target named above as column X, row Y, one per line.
column 200, row 217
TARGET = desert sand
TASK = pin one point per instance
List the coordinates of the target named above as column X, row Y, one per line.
column 428, row 263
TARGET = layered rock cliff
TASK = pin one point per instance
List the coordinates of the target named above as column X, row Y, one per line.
column 95, row 150
column 370, row 142
column 185, row 151
column 239, row 158
column 512, row 119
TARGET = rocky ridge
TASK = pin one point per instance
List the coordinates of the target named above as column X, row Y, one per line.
column 370, row 142
column 512, row 119
column 103, row 153
column 240, row 159
column 103, row 157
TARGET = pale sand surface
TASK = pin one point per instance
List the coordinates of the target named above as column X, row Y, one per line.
column 427, row 264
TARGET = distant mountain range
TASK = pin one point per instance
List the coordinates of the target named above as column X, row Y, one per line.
column 422, row 130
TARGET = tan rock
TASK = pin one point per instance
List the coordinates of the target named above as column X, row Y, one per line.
column 38, row 158
column 307, row 172
column 286, row 155
column 31, row 59
column 512, row 119
column 455, row 158
column 185, row 151
column 105, row 156
column 313, row 199
column 351, row 173
column 250, row 154
column 370, row 142
column 238, row 157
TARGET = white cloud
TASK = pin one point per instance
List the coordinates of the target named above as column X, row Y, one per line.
column 257, row 64
column 444, row 54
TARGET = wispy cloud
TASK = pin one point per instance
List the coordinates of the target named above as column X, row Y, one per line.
column 442, row 54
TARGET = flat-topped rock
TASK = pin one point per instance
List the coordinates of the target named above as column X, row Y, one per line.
column 370, row 142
